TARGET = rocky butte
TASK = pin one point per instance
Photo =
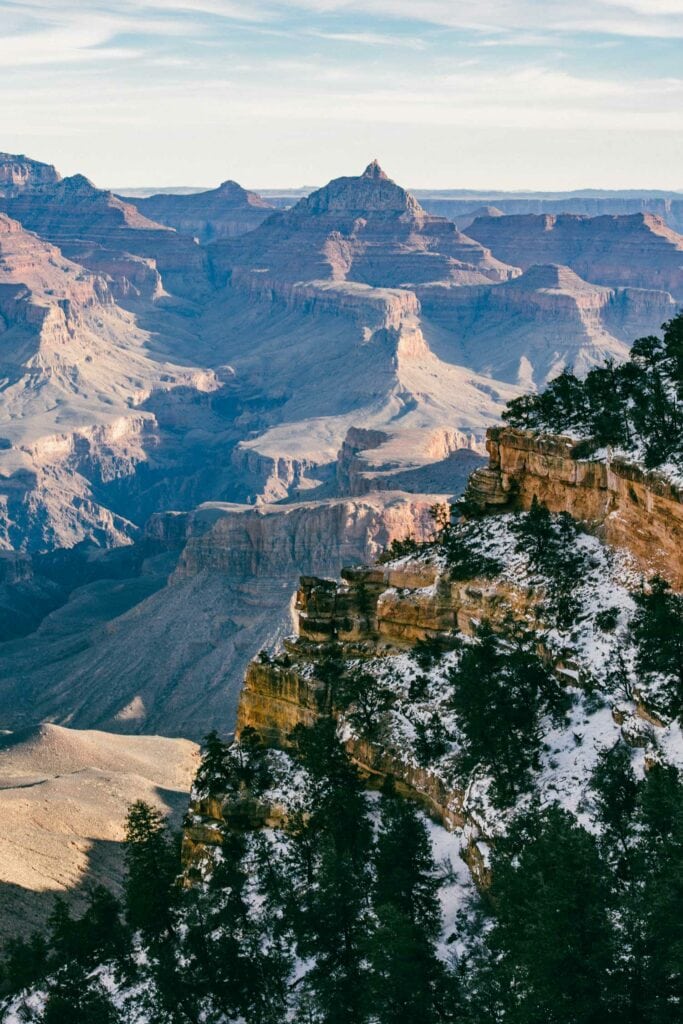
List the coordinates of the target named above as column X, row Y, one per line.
column 222, row 212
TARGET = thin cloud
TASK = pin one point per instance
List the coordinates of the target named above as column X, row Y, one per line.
column 370, row 39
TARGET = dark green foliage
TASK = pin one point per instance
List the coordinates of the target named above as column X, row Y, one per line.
column 431, row 739
column 399, row 549
column 430, row 650
column 549, row 541
column 642, row 846
column 229, row 955
column 330, row 665
column 580, row 928
column 74, row 998
column 97, row 935
column 418, row 687
column 332, row 877
column 616, row 791
column 607, row 620
column 459, row 544
column 407, row 977
column 25, row 962
column 152, row 862
column 230, row 767
column 657, row 629
column 632, row 406
column 465, row 561
column 547, row 955
column 364, row 699
column 500, row 691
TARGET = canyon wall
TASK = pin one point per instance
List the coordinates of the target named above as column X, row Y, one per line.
column 164, row 649
column 629, row 507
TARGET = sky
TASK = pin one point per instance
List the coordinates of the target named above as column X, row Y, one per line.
column 509, row 94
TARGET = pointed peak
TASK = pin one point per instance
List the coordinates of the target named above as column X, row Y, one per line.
column 375, row 172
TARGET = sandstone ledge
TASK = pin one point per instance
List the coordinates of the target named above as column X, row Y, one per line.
column 629, row 507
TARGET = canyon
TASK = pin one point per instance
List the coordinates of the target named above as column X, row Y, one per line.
column 210, row 400
column 187, row 375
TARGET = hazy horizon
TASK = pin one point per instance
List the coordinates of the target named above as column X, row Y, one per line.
column 531, row 96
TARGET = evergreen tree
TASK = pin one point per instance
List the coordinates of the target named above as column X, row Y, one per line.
column 657, row 629
column 635, row 406
column 500, row 690
column 152, row 863
column 331, row 908
column 407, row 977
column 76, row 998
column 364, row 699
column 25, row 962
column 547, row 956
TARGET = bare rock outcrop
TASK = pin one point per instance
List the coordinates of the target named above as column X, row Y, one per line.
column 635, row 251
column 93, row 226
column 142, row 655
column 628, row 506
column 463, row 210
column 18, row 172
column 223, row 212
column 530, row 328
column 365, row 229
column 372, row 460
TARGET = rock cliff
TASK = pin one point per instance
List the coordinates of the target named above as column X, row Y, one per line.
column 164, row 648
column 637, row 251
column 553, row 319
column 633, row 509
column 380, row 612
column 105, row 234
column 18, row 172
column 365, row 229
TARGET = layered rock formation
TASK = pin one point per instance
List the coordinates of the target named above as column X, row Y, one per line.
column 633, row 509
column 74, row 366
column 138, row 654
column 552, row 317
column 222, row 212
column 379, row 612
column 108, row 235
column 355, row 309
column 637, row 251
column 365, row 229
column 373, row 460
column 18, row 172
column 328, row 356
column 463, row 210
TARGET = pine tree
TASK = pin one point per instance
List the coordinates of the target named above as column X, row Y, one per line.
column 152, row 866
column 25, row 963
column 75, row 998
column 657, row 629
column 547, row 956
column 500, row 689
column 407, row 977
column 331, row 916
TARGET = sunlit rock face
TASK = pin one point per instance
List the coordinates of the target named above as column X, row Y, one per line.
column 161, row 644
column 633, row 509
column 638, row 251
